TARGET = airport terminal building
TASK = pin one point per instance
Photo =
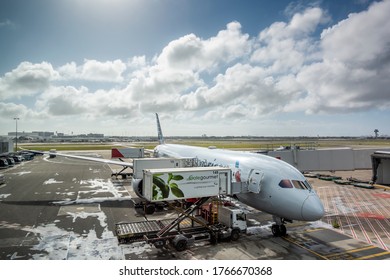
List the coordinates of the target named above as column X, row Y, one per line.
column 55, row 137
column 31, row 135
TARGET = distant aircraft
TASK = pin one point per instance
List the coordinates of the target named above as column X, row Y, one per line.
column 274, row 186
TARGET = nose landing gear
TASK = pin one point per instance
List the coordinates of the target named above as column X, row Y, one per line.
column 278, row 229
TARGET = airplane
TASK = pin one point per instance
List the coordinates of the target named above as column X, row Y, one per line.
column 274, row 186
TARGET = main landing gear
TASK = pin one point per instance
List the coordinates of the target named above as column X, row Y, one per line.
column 278, row 229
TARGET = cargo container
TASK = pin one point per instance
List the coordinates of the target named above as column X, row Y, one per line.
column 185, row 183
column 139, row 165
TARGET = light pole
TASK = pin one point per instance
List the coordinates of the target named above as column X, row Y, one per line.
column 16, row 139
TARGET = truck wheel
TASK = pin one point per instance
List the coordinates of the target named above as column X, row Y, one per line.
column 181, row 245
column 275, row 230
column 150, row 209
column 235, row 235
column 213, row 238
column 159, row 244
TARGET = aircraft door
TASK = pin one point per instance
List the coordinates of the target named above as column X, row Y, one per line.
column 254, row 180
column 223, row 182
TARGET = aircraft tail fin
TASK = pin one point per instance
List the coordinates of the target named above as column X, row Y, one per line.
column 160, row 135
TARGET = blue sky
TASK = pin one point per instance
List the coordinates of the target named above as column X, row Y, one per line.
column 221, row 67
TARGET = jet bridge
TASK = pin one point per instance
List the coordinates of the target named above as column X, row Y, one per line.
column 329, row 159
column 381, row 167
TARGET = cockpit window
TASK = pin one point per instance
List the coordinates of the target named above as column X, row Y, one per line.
column 308, row 186
column 286, row 184
column 304, row 185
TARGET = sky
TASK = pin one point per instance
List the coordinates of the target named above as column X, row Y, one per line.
column 214, row 67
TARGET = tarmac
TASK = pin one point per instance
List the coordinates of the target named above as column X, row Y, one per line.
column 60, row 208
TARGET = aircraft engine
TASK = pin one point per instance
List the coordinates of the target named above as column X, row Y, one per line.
column 137, row 187
column 148, row 207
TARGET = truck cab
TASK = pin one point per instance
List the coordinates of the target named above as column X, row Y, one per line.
column 234, row 219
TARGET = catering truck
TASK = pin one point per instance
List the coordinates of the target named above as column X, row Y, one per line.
column 207, row 217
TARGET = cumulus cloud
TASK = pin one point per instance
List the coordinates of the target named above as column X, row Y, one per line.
column 93, row 70
column 8, row 110
column 26, row 79
column 137, row 62
column 286, row 47
column 239, row 84
column 63, row 101
column 71, row 101
column 360, row 40
column 266, row 83
column 191, row 52
column 354, row 71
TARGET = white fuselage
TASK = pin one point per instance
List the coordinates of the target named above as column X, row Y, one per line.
column 274, row 186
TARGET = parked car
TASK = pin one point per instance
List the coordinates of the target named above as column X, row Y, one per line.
column 27, row 155
column 17, row 159
column 10, row 161
column 3, row 163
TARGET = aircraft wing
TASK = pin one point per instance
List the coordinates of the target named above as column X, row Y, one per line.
column 101, row 160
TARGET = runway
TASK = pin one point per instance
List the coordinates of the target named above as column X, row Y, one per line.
column 63, row 208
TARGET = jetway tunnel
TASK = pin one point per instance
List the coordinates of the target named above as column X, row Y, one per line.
column 338, row 159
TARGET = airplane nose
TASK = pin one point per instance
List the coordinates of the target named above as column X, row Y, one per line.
column 312, row 209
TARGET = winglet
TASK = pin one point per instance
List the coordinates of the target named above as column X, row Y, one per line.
column 160, row 135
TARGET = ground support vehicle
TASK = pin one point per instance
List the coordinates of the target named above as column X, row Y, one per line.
column 52, row 153
column 213, row 222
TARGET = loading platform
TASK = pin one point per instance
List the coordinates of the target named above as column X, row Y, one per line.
column 180, row 232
